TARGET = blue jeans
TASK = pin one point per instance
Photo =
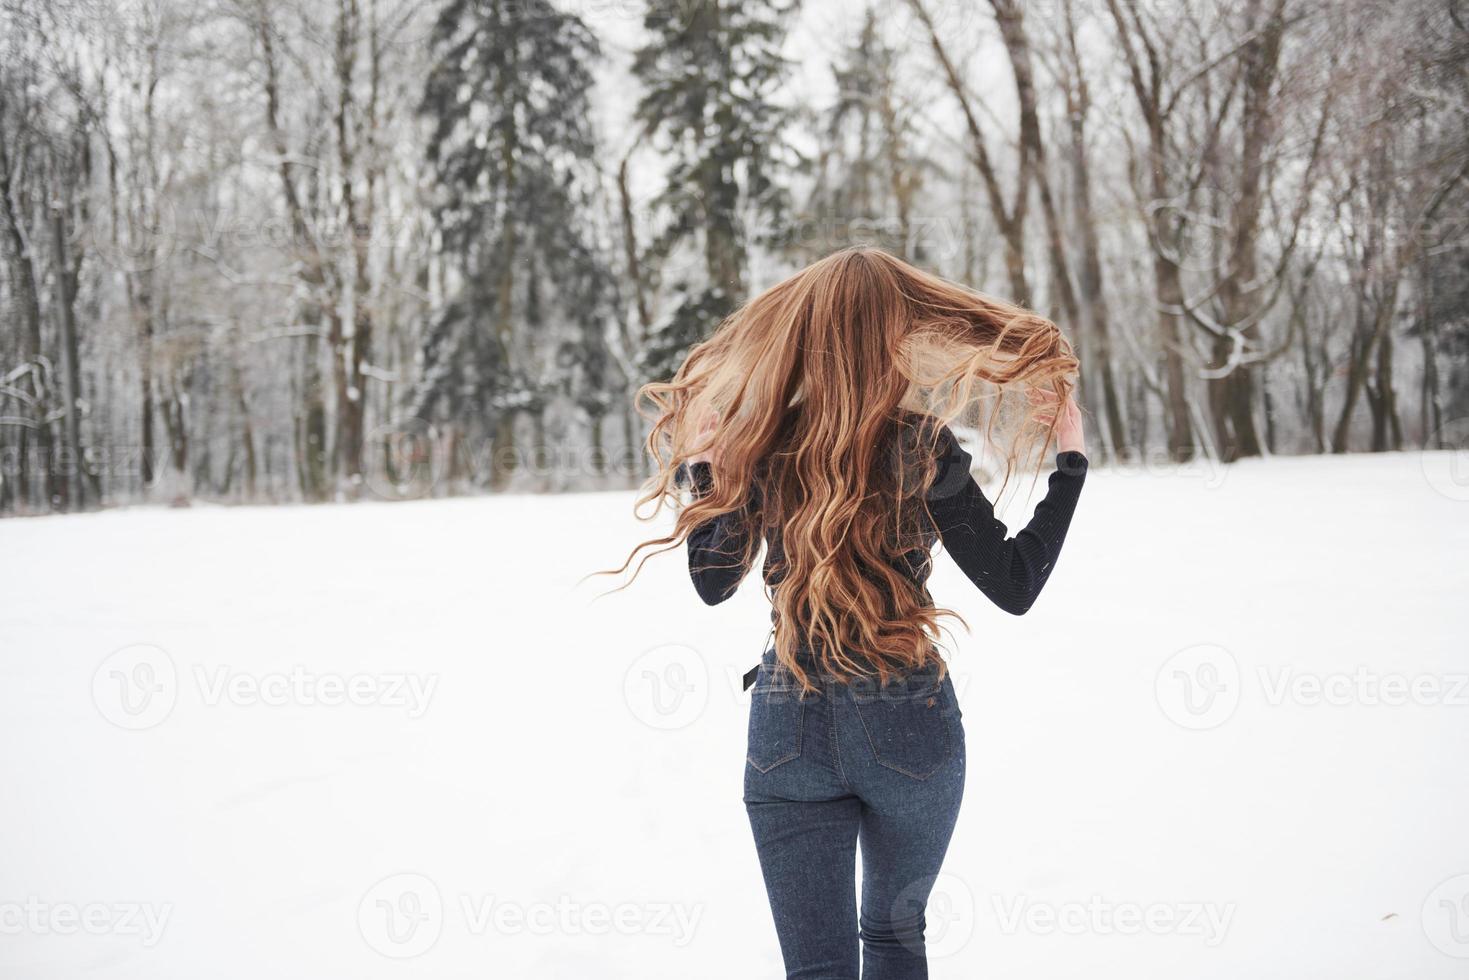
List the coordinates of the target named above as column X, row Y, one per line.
column 852, row 762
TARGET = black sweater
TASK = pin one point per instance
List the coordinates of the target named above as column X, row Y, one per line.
column 1010, row 571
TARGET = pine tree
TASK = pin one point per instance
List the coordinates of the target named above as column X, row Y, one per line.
column 711, row 69
column 511, row 145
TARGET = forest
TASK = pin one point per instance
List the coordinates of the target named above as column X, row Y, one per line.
column 271, row 251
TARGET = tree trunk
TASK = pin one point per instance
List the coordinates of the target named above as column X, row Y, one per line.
column 630, row 250
column 70, row 361
column 28, row 302
column 1430, row 413
column 1169, row 289
column 310, row 428
column 1387, row 428
column 504, row 460
column 1091, row 300
column 1009, row 219
column 351, row 353
column 1364, row 343
column 1010, row 18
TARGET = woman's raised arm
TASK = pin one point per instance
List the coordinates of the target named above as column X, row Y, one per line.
column 1010, row 571
column 717, row 547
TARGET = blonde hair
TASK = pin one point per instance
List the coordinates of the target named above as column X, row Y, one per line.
column 808, row 380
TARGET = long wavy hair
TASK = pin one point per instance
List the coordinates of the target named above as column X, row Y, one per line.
column 826, row 394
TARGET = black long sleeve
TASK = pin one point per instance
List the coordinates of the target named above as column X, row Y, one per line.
column 717, row 546
column 1010, row 571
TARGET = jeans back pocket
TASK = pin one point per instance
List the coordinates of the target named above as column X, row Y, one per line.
column 909, row 723
column 777, row 713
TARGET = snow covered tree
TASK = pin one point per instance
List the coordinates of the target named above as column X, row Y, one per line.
column 508, row 99
column 868, row 173
column 711, row 70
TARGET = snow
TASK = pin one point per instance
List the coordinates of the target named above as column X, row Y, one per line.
column 400, row 740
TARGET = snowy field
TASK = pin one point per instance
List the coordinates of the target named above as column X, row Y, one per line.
column 400, row 740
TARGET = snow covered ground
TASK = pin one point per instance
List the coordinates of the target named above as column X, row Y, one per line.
column 399, row 740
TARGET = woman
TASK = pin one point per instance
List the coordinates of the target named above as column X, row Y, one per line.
column 815, row 421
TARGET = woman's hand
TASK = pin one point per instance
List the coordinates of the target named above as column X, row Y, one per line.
column 707, row 452
column 1069, row 435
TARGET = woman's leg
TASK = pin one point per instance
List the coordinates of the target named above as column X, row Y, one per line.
column 805, row 819
column 808, row 855
column 902, row 853
column 903, row 752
